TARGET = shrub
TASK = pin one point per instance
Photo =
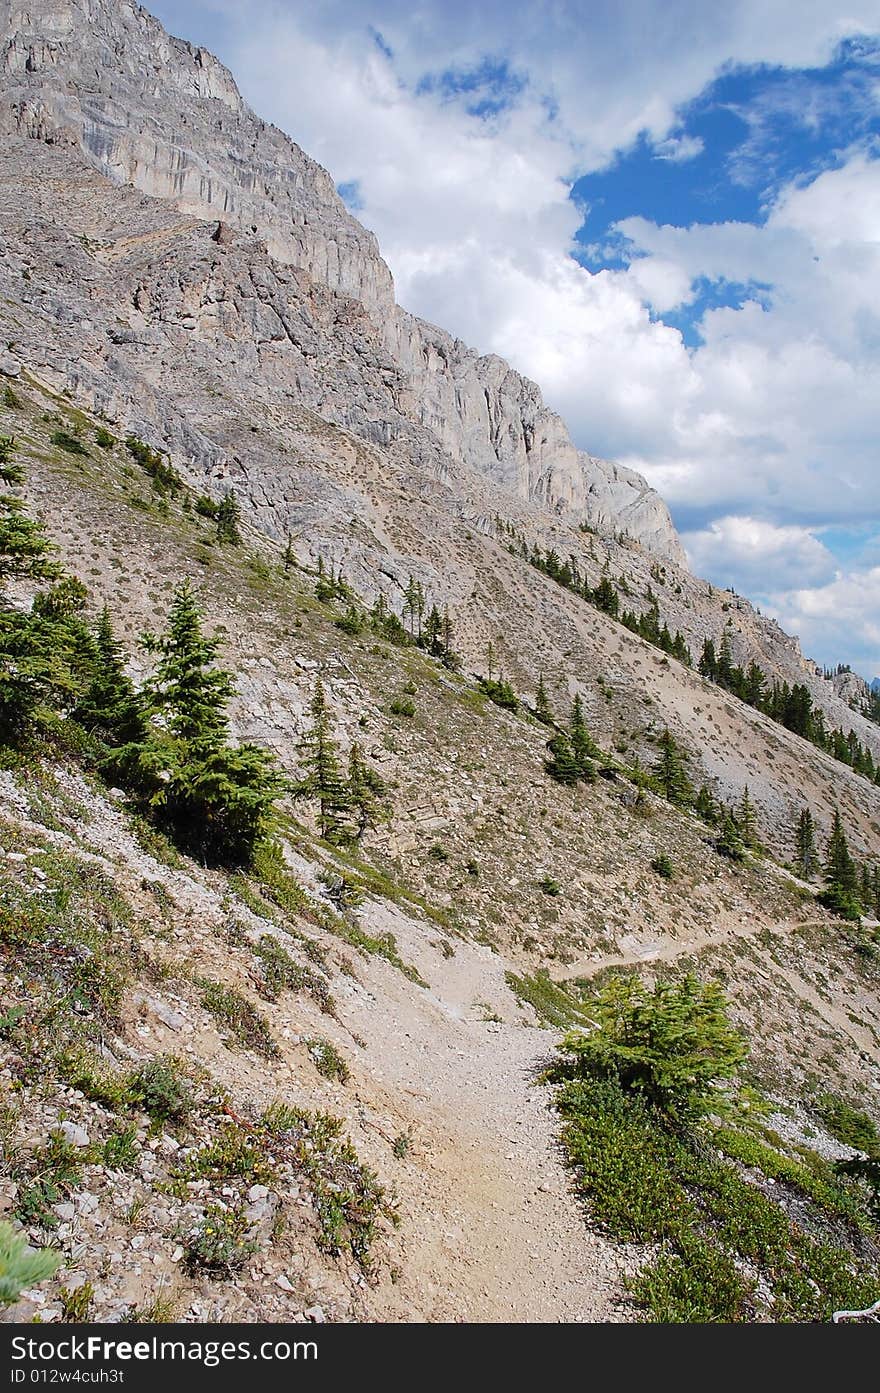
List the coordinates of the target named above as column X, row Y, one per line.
column 848, row 1124
column 161, row 1089
column 327, row 1060
column 217, row 1243
column 22, row 1266
column 104, row 439
column 65, row 441
column 248, row 1029
column 663, row 866
column 351, row 622
column 673, row 1045
column 402, row 706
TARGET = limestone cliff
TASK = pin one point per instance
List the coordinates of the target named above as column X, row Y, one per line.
column 165, row 116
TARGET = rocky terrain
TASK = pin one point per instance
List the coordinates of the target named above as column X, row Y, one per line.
column 173, row 268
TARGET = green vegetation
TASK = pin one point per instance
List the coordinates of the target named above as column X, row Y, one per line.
column 218, row 1242
column 164, row 476
column 663, row 866
column 161, row 1088
column 278, row 972
column 573, row 753
column 841, row 893
column 791, row 706
column 402, row 706
column 327, row 1060
column 848, row 1124
column 347, row 807
column 168, row 745
column 554, row 1003
column 70, row 443
column 638, row 1095
column 673, row 1045
column 247, row 1028
column 21, row 1266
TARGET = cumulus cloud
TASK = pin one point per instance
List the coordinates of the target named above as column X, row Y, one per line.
column 757, row 557
column 846, row 611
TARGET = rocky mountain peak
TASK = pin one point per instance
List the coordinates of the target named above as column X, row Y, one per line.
column 166, row 117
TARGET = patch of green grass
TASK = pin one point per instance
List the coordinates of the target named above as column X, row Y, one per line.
column 76, row 1303
column 816, row 1182
column 69, row 443
column 160, row 1087
column 68, row 945
column 234, row 1153
column 327, row 1060
column 275, row 879
column 277, row 971
column 847, row 1124
column 346, row 1195
column 553, row 1002
column 645, row 1181
column 247, row 1028
column 217, row 1243
column 119, row 1151
column 49, row 1174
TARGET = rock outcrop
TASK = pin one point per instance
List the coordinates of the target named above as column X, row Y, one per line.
column 166, row 117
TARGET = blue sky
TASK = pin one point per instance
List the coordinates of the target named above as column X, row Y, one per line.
column 667, row 214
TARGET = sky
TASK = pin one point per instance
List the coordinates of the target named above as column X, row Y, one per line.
column 665, row 212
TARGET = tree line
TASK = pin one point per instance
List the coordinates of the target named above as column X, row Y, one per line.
column 790, row 706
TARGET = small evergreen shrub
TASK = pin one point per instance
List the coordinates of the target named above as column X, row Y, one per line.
column 22, row 1266
column 70, row 443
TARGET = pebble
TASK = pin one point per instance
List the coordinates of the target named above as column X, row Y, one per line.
column 75, row 1135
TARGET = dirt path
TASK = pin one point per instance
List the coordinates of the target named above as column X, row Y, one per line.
column 491, row 1229
column 666, row 950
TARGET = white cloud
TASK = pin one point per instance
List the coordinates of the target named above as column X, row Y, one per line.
column 847, row 606
column 678, row 149
column 757, row 557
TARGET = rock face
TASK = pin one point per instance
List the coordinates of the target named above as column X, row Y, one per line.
column 166, row 117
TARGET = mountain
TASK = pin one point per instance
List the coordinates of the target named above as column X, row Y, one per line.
column 167, row 118
column 300, row 1087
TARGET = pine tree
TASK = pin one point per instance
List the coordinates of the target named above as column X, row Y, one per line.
column 215, row 799
column 669, row 772
column 724, row 665
column 322, row 779
column 583, row 747
column 229, row 520
column 24, row 547
column 110, row 708
column 705, row 806
column 365, row 792
column 865, row 891
column 189, row 691
column 543, row 710
column 746, row 821
column 325, row 586
column 562, row 764
column 35, row 647
column 434, row 632
column 288, row 561
column 806, row 858
column 840, row 874
column 729, row 842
